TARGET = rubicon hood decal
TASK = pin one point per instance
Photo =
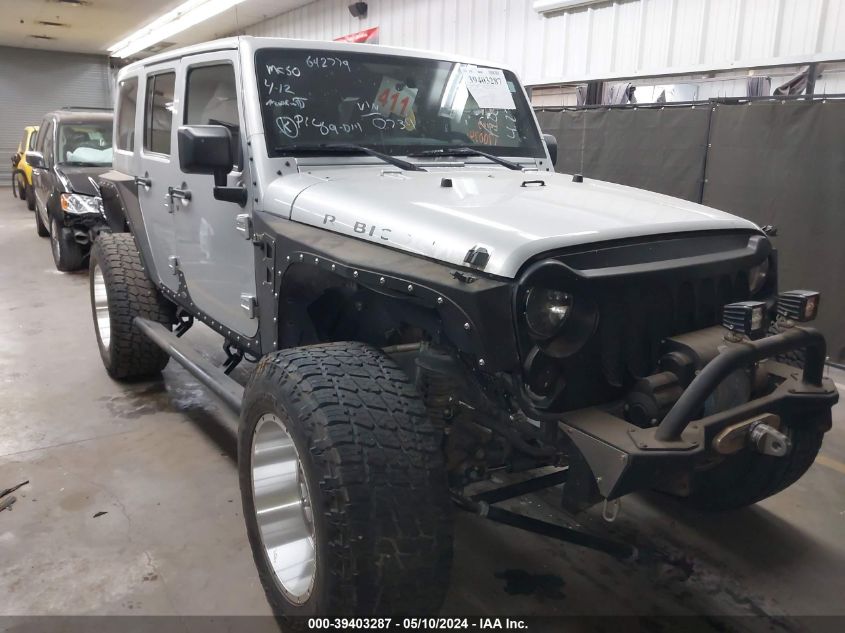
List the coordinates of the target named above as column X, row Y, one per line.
column 512, row 215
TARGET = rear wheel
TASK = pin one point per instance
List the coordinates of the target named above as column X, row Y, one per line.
column 39, row 226
column 343, row 484
column 67, row 254
column 747, row 477
column 120, row 291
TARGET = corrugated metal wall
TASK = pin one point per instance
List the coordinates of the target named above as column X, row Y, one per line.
column 33, row 82
column 614, row 39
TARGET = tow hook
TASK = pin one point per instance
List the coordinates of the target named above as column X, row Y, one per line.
column 768, row 440
column 761, row 434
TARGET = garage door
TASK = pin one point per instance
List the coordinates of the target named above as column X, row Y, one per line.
column 34, row 82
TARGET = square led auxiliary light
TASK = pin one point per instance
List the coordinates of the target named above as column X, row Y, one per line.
column 746, row 317
column 799, row 305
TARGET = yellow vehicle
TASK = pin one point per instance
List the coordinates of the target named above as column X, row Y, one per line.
column 21, row 170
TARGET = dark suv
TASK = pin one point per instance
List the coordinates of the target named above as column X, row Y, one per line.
column 73, row 148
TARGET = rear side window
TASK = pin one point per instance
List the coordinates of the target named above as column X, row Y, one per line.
column 127, row 102
column 212, row 99
column 47, row 143
column 43, row 131
column 158, row 114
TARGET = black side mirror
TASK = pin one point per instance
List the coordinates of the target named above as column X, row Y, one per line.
column 36, row 160
column 16, row 159
column 209, row 149
column 206, row 149
column 551, row 145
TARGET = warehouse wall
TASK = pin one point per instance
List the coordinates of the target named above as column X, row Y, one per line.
column 612, row 39
column 33, row 82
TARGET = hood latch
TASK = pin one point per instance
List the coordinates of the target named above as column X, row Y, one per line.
column 477, row 257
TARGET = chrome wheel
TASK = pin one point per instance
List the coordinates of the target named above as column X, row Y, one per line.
column 102, row 318
column 283, row 508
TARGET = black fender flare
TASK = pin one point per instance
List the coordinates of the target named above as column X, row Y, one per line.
column 113, row 207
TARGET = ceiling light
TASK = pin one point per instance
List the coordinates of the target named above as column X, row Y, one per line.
column 42, row 37
column 49, row 23
column 183, row 17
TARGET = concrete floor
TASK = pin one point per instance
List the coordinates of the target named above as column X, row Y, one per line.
column 157, row 459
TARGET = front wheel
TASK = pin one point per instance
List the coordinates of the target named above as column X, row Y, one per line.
column 343, row 484
column 30, row 197
column 67, row 254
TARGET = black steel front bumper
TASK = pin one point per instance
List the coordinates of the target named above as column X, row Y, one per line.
column 625, row 458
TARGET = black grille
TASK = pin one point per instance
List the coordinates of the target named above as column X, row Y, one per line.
column 645, row 290
column 635, row 317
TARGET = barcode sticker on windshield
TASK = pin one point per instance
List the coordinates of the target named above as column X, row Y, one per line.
column 489, row 87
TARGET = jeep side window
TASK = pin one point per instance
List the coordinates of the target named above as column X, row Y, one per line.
column 32, row 138
column 212, row 99
column 158, row 113
column 127, row 102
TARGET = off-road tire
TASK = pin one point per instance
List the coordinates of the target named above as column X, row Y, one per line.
column 130, row 354
column 20, row 187
column 67, row 254
column 42, row 230
column 747, row 477
column 372, row 461
column 30, row 197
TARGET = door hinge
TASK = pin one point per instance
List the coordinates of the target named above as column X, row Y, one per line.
column 249, row 304
column 243, row 223
column 173, row 263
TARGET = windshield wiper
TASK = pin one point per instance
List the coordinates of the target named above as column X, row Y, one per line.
column 468, row 151
column 346, row 148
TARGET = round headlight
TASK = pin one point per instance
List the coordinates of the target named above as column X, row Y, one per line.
column 546, row 311
column 757, row 277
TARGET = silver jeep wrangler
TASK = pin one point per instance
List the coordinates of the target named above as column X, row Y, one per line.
column 382, row 232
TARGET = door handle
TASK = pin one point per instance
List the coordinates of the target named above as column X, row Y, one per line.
column 144, row 182
column 182, row 194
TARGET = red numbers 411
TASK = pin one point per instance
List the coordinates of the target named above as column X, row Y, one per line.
column 392, row 98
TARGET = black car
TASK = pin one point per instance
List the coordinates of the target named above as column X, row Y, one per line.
column 73, row 148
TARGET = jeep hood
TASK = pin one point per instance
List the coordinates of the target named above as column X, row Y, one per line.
column 443, row 214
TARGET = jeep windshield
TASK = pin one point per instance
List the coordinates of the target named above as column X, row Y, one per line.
column 85, row 144
column 396, row 105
